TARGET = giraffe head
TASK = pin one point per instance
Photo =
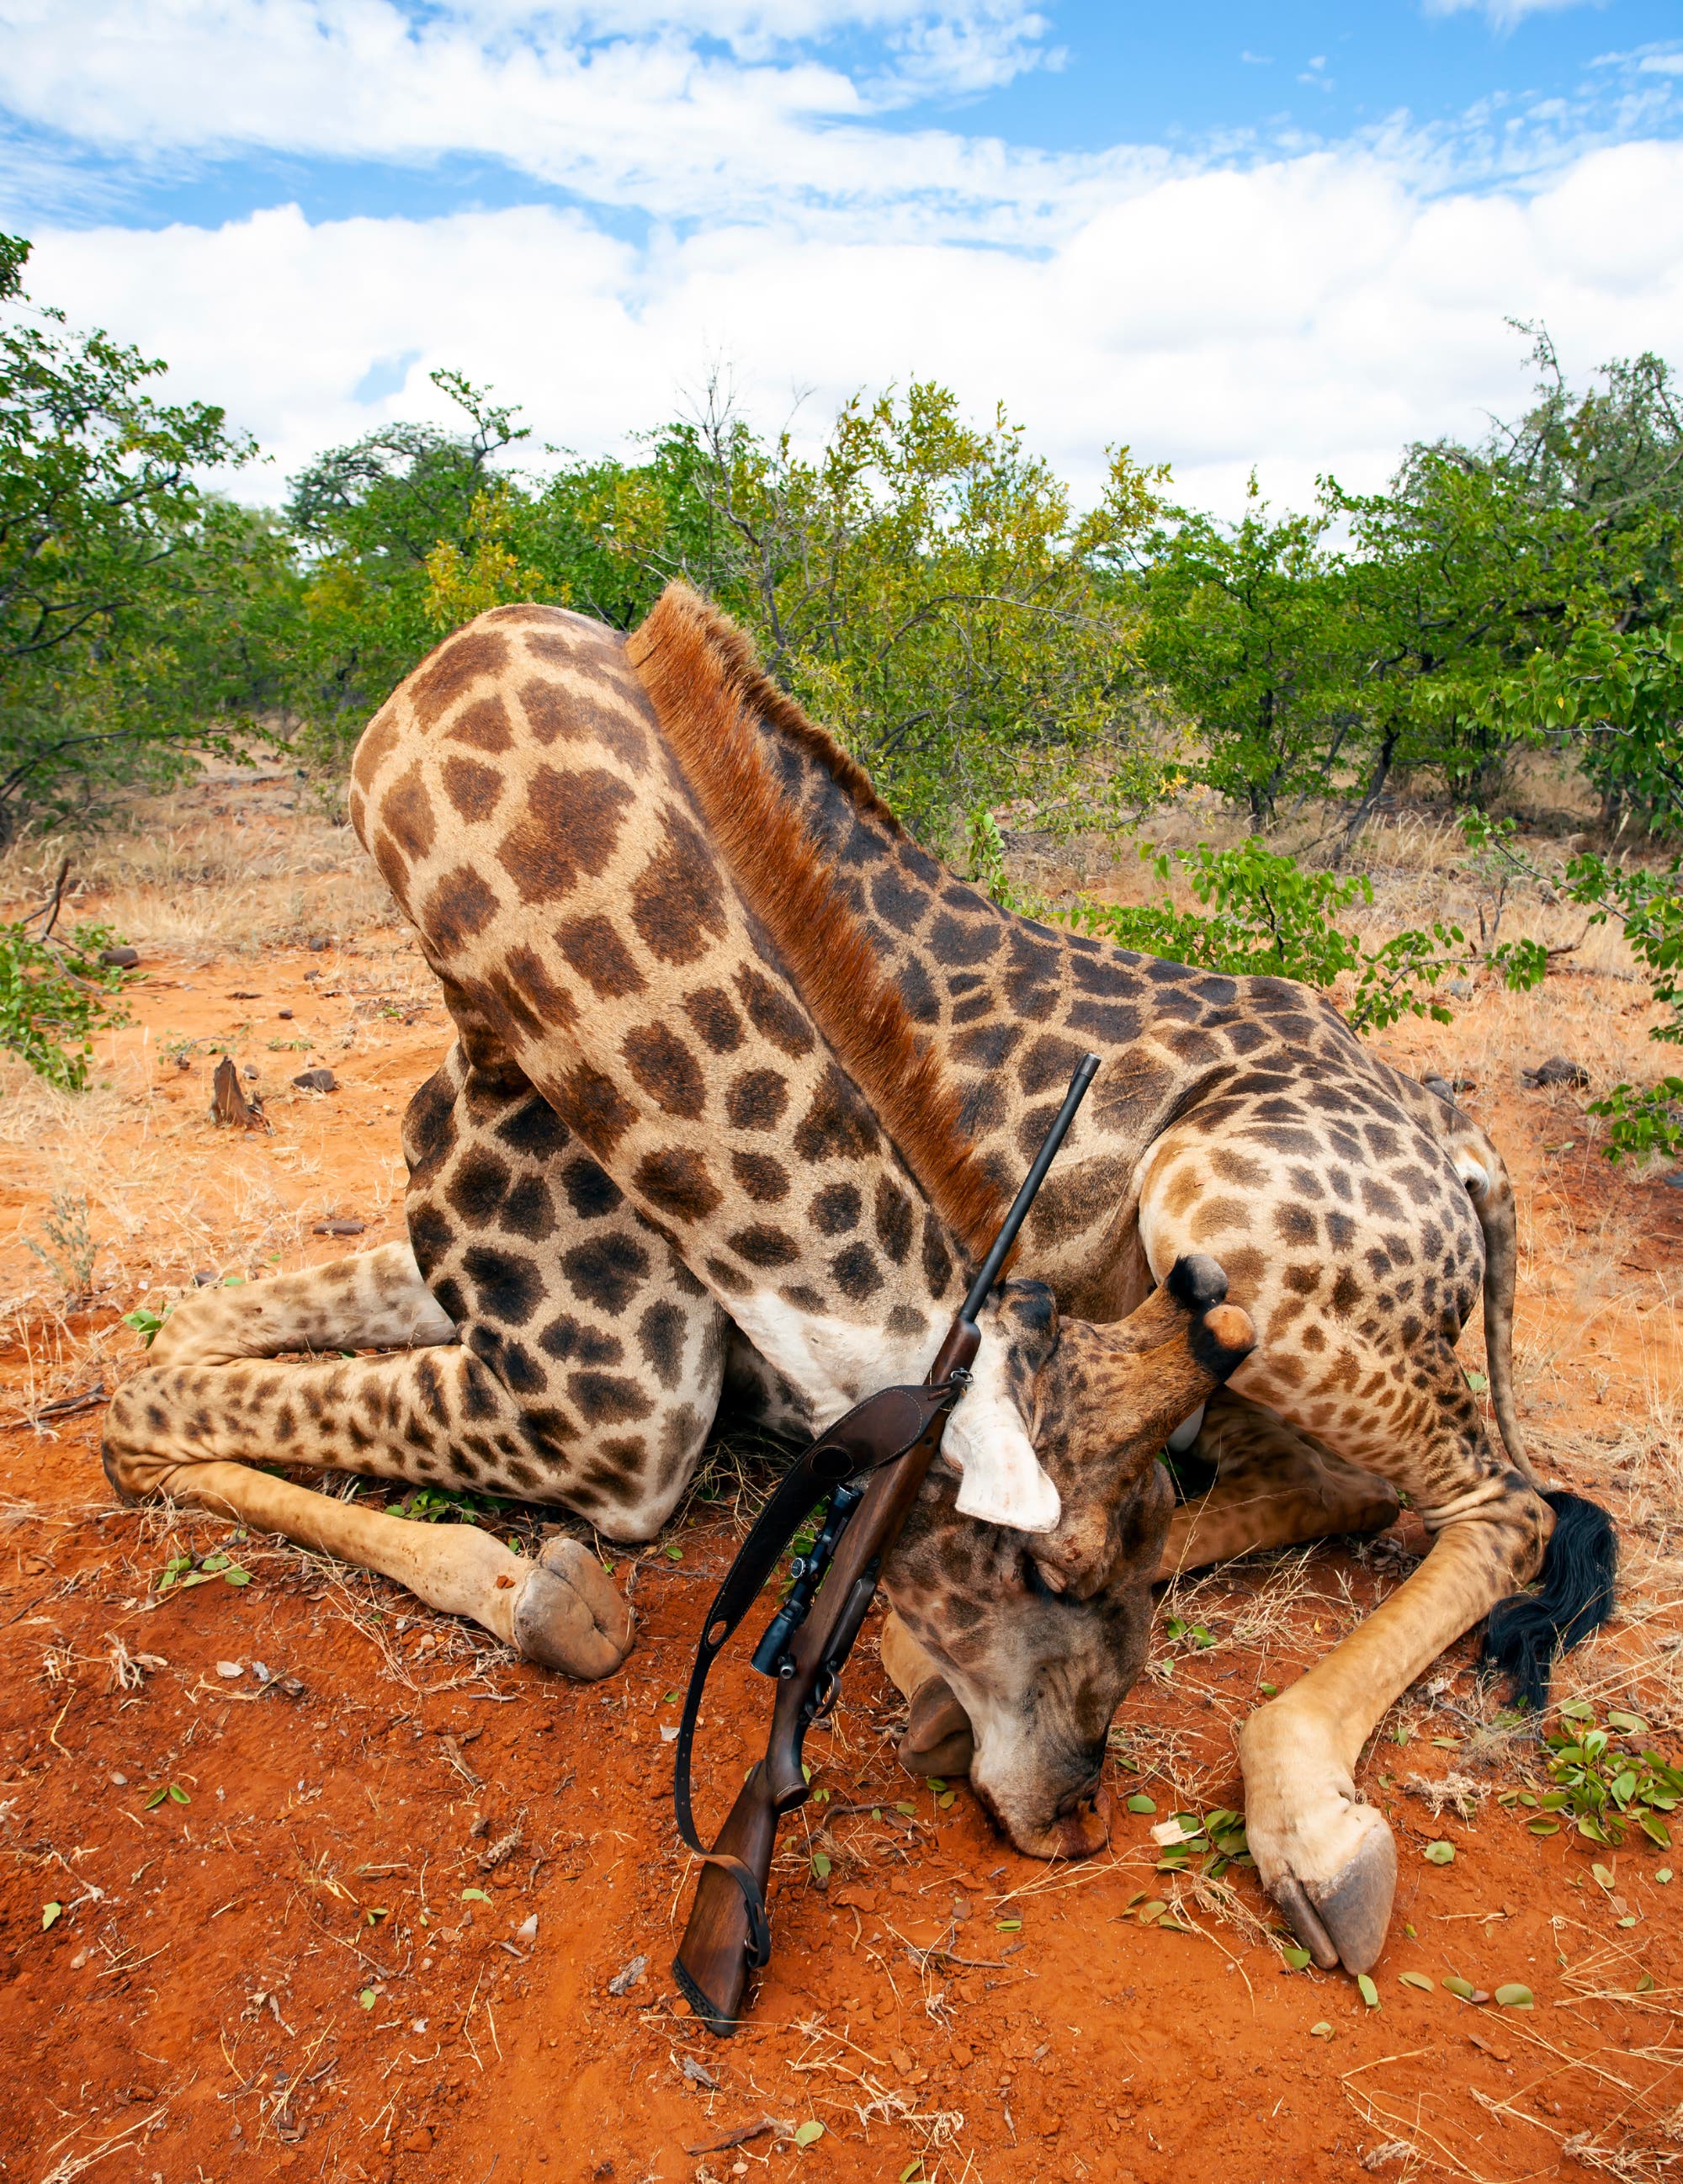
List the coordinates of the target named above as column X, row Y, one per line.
column 1037, row 1637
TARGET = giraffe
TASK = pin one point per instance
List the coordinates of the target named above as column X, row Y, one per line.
column 744, row 1076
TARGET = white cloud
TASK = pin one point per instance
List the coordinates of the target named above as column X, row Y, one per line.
column 1504, row 14
column 1305, row 314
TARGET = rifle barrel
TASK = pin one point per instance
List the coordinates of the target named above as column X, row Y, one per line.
column 1085, row 1071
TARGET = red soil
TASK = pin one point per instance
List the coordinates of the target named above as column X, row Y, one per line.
column 321, row 1964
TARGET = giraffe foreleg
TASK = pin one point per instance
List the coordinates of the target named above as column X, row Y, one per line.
column 189, row 1430
column 371, row 1300
column 1328, row 1860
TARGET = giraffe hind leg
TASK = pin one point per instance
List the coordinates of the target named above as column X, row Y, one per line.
column 191, row 1430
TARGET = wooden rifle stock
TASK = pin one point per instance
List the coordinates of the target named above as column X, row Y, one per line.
column 727, row 1935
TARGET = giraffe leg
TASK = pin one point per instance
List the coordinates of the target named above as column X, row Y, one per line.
column 1386, row 1395
column 191, row 1430
column 1273, row 1488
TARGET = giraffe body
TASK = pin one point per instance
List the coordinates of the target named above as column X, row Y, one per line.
column 744, row 1079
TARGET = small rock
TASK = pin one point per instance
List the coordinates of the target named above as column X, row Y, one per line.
column 120, row 1781
column 120, row 958
column 419, row 2141
column 205, row 1277
column 623, row 1982
column 316, row 1080
column 79, row 1959
column 310, row 978
column 1461, row 988
column 699, row 2074
column 260, row 1670
column 417, row 2025
column 527, row 1930
column 231, row 1670
column 337, row 1227
column 1558, row 1069
column 286, row 1016
column 321, row 944
column 1676, row 1180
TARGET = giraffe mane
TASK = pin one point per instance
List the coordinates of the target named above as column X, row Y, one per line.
column 705, row 682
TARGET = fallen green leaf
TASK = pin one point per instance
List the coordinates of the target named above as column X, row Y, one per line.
column 368, row 1998
column 179, row 1795
column 821, row 1865
column 1007, row 1925
column 1438, row 1853
column 1139, row 1803
column 1513, row 1996
column 1296, row 1959
column 1368, row 1992
column 1464, row 1989
column 50, row 1915
column 1419, row 1980
column 1321, row 2031
column 809, row 2133
column 474, row 1895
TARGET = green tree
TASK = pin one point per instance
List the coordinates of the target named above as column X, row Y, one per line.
column 105, row 538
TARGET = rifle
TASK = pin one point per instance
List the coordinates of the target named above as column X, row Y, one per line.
column 868, row 1468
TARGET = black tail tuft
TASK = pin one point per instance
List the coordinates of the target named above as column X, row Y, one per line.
column 1573, row 1597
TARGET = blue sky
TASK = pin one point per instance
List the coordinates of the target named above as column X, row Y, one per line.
column 1228, row 234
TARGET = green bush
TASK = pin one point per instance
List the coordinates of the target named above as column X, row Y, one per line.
column 54, row 995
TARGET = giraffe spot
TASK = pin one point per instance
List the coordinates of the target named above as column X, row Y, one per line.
column 448, row 1296
column 661, row 1338
column 1313, row 1339
column 1347, row 1293
column 591, row 1192
column 714, row 1018
column 895, row 903
column 677, row 901
column 1382, row 1203
column 983, row 1107
column 893, row 1211
column 571, row 1341
column 599, row 956
column 856, row 1272
column 528, row 1211
column 1235, row 1168
column 799, row 1297
column 772, row 1014
column 1296, row 1224
column 836, row 1209
column 379, row 739
column 1048, row 1063
column 569, row 825
column 972, row 939
column 1114, row 1023
column 607, row 1398
column 507, row 1285
column 836, row 1125
column 988, row 1046
column 755, row 1101
column 483, row 725
column 1216, row 1214
column 606, row 1271
column 906, row 1321
column 458, row 910
column 724, row 1276
column 533, row 1128
column 552, row 711
column 595, row 1108
column 1302, row 1281
column 762, row 1244
column 509, row 1361
column 918, row 991
column 937, row 1258
column 521, row 985
column 475, row 790
column 764, row 1179
column 666, row 1069
column 676, row 1182
column 475, row 1188
column 451, row 673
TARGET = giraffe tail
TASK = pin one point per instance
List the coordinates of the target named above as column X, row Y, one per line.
column 1574, row 1594
column 1479, row 1167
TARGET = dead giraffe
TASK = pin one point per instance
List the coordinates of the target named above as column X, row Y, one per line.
column 744, row 1075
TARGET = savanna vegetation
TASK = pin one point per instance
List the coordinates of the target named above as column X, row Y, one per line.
column 927, row 586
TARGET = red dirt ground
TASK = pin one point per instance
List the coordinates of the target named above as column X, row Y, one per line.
column 313, row 1956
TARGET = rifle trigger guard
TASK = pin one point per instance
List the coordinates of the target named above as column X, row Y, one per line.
column 828, row 1691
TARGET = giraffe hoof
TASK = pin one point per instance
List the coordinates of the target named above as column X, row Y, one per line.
column 568, row 1615
column 1344, row 1920
column 938, row 1740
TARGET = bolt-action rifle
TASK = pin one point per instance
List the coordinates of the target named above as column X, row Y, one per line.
column 867, row 1468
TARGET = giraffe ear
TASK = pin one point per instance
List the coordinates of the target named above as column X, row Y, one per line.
column 1004, row 1481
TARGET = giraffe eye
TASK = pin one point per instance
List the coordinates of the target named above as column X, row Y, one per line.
column 1035, row 1581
